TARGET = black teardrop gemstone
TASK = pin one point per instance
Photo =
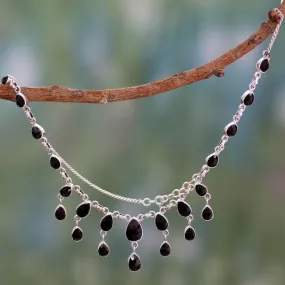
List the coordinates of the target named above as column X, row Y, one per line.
column 5, row 79
column 207, row 213
column 183, row 209
column 134, row 230
column 231, row 129
column 60, row 212
column 65, row 191
column 263, row 64
column 83, row 209
column 54, row 162
column 107, row 223
column 212, row 160
column 103, row 249
column 161, row 222
column 77, row 234
column 165, row 249
column 134, row 262
column 201, row 189
column 247, row 98
column 189, row 233
column 20, row 100
column 37, row 131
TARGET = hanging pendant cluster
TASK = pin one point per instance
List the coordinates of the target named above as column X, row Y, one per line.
column 134, row 230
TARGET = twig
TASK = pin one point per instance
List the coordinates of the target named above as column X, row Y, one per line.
column 215, row 67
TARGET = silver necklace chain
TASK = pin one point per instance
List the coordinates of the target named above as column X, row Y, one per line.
column 176, row 198
column 167, row 201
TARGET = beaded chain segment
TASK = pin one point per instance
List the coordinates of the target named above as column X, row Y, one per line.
column 176, row 198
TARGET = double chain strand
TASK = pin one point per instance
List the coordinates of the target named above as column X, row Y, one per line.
column 165, row 202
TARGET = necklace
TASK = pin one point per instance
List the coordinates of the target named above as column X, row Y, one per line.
column 176, row 199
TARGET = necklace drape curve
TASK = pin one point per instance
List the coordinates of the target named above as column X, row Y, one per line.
column 134, row 230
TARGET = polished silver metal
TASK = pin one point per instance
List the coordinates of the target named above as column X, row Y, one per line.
column 190, row 218
column 103, row 234
column 76, row 220
column 40, row 128
column 165, row 234
column 60, row 198
column 134, row 245
column 104, row 243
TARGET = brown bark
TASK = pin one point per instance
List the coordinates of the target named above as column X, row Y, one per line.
column 215, row 67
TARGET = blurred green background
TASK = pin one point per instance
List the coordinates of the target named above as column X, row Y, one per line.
column 144, row 147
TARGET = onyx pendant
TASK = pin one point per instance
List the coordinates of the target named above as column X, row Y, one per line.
column 183, row 209
column 161, row 222
column 207, row 213
column 189, row 233
column 107, row 223
column 83, row 209
column 134, row 262
column 165, row 249
column 60, row 213
column 65, row 191
column 77, row 234
column 134, row 230
column 103, row 249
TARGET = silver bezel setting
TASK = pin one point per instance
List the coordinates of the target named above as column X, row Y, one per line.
column 41, row 129
column 66, row 185
column 77, row 227
column 101, row 243
column 207, row 206
column 259, row 63
column 108, row 214
column 203, row 186
column 228, row 126
column 165, row 241
column 209, row 156
column 134, row 218
column 186, row 229
column 23, row 96
column 55, row 156
column 187, row 205
column 160, row 214
column 83, row 203
column 61, row 206
column 134, row 253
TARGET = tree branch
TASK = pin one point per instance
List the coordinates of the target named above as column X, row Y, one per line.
column 215, row 67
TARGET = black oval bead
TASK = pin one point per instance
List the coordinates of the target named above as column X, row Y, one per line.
column 183, row 209
column 165, row 249
column 4, row 79
column 263, row 64
column 247, row 98
column 77, row 234
column 54, row 162
column 134, row 262
column 103, row 249
column 189, row 233
column 201, row 189
column 65, row 191
column 107, row 223
column 134, row 230
column 37, row 131
column 212, row 160
column 20, row 100
column 207, row 213
column 231, row 129
column 83, row 209
column 60, row 213
column 161, row 222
